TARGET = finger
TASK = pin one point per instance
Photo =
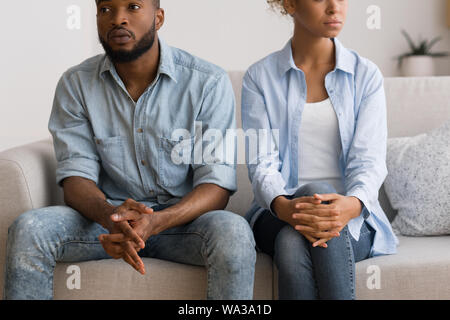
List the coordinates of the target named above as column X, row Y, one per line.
column 115, row 251
column 114, row 237
column 321, row 242
column 309, row 237
column 313, row 240
column 310, row 199
column 326, row 196
column 308, row 218
column 308, row 205
column 139, row 207
column 330, row 213
column 125, row 215
column 131, row 234
column 317, row 234
column 126, row 257
column 323, row 225
column 128, row 248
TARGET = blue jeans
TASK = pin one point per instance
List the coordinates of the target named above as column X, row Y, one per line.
column 307, row 272
column 220, row 240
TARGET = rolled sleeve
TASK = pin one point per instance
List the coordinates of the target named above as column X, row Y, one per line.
column 77, row 167
column 221, row 175
column 366, row 164
column 73, row 140
column 217, row 115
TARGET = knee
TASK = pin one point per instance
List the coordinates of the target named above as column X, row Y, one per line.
column 290, row 246
column 26, row 224
column 341, row 243
column 232, row 237
column 319, row 187
column 34, row 225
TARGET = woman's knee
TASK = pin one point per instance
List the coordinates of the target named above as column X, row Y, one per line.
column 290, row 246
column 320, row 187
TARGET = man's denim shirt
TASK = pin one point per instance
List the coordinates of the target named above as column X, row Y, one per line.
column 274, row 94
column 125, row 147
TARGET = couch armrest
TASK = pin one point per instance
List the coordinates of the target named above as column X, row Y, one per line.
column 27, row 181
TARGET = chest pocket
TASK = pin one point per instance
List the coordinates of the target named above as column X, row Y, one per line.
column 112, row 154
column 174, row 161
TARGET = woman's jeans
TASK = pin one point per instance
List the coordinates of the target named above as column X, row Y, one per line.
column 307, row 272
column 220, row 240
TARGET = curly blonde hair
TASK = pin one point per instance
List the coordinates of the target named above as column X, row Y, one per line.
column 277, row 5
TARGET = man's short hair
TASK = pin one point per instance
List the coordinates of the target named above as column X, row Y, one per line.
column 155, row 3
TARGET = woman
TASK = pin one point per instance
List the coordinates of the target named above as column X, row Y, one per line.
column 321, row 110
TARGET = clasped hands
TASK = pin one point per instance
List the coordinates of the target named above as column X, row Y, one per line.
column 319, row 222
column 130, row 225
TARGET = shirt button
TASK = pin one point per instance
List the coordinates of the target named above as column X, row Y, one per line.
column 97, row 141
column 140, row 130
column 143, row 162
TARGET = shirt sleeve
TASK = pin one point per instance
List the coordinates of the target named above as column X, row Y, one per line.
column 72, row 134
column 366, row 168
column 263, row 165
column 216, row 118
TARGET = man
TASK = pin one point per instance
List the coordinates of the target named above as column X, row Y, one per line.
column 113, row 123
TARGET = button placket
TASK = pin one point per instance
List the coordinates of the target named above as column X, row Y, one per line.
column 140, row 141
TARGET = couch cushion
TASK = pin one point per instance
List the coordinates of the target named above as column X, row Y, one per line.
column 419, row 270
column 114, row 279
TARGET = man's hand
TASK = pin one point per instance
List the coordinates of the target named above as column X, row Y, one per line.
column 125, row 240
column 316, row 218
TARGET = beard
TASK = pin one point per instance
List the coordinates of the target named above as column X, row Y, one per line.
column 123, row 56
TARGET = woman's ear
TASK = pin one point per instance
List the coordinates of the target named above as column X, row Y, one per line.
column 290, row 6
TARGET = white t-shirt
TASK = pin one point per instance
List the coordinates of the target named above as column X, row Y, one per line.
column 320, row 145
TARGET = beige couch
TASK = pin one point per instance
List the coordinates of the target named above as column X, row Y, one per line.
column 420, row 269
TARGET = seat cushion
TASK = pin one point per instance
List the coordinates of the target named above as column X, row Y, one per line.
column 114, row 279
column 419, row 270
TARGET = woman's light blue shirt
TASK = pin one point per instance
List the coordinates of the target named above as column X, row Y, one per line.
column 273, row 97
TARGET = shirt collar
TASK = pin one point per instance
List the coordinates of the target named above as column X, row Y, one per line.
column 345, row 60
column 166, row 63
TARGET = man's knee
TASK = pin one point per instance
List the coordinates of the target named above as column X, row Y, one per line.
column 37, row 223
column 232, row 236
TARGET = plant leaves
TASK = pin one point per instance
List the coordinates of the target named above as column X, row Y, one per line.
column 410, row 41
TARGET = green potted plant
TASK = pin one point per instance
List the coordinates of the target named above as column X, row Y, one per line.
column 419, row 61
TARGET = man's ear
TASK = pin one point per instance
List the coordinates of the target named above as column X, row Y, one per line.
column 159, row 18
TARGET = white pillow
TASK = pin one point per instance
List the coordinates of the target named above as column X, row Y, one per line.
column 418, row 182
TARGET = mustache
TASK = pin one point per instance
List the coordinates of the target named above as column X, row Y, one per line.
column 121, row 28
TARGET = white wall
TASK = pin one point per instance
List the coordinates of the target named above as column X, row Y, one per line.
column 38, row 47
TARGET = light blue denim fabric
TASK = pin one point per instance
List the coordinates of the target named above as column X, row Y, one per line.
column 273, row 97
column 220, row 240
column 101, row 134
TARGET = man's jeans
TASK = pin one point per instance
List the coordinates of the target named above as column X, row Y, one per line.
column 220, row 240
column 307, row 272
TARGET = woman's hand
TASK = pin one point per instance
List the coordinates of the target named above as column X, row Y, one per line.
column 286, row 209
column 316, row 218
